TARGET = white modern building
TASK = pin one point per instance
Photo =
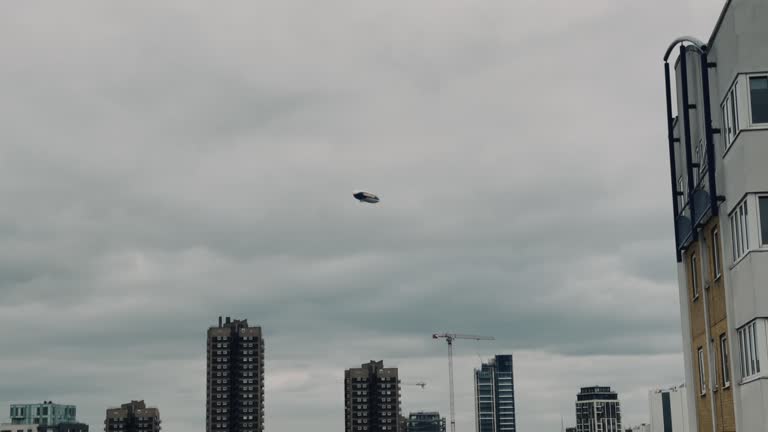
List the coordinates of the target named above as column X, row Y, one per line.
column 717, row 109
column 669, row 410
column 7, row 427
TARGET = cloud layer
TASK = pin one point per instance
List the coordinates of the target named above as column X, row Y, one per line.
column 161, row 165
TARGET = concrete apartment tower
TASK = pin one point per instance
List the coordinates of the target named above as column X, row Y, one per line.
column 717, row 110
column 132, row 417
column 495, row 396
column 372, row 398
column 669, row 409
column 598, row 410
column 235, row 378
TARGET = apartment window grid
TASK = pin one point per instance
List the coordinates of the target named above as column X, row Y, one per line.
column 751, row 349
column 702, row 373
column 740, row 230
column 694, row 276
column 752, row 114
column 724, row 361
column 716, row 245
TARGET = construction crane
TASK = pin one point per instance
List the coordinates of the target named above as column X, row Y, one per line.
column 450, row 337
column 420, row 384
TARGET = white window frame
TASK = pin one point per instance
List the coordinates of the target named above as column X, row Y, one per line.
column 729, row 110
column 740, row 233
column 725, row 361
column 683, row 193
column 748, row 87
column 752, row 349
column 716, row 245
column 694, row 275
column 702, row 375
column 702, row 158
column 759, row 221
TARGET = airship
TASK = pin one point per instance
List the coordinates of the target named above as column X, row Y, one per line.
column 368, row 197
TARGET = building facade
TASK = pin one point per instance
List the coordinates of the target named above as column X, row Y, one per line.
column 425, row 422
column 598, row 410
column 718, row 145
column 19, row 427
column 235, row 377
column 372, row 398
column 65, row 427
column 495, row 395
column 669, row 409
column 132, row 417
column 33, row 427
column 46, row 413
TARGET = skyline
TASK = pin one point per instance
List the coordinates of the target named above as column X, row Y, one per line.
column 163, row 166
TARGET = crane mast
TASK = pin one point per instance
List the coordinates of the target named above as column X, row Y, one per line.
column 449, row 338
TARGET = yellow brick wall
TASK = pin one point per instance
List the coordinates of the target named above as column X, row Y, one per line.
column 723, row 397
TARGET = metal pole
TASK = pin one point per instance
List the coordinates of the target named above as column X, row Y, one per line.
column 450, row 380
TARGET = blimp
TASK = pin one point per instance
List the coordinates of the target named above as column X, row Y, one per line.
column 364, row 196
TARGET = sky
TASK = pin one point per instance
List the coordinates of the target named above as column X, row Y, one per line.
column 166, row 163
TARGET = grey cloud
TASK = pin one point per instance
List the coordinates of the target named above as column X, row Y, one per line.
column 163, row 165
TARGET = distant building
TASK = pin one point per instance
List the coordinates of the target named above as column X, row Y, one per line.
column 61, row 427
column 426, row 422
column 640, row 428
column 235, row 377
column 495, row 396
column 64, row 427
column 18, row 427
column 598, row 410
column 43, row 414
column 371, row 398
column 669, row 409
column 132, row 417
column 570, row 429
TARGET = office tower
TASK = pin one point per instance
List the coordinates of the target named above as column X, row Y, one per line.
column 495, row 396
column 46, row 413
column 371, row 398
column 426, row 422
column 669, row 409
column 132, row 417
column 598, row 410
column 235, row 377
column 717, row 130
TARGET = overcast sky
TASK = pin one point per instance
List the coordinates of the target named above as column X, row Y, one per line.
column 164, row 163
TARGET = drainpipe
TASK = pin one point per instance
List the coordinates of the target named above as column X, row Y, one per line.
column 704, row 264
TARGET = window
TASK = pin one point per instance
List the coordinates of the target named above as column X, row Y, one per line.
column 730, row 111
column 694, row 277
column 750, row 350
column 697, row 160
column 758, row 93
column 716, row 252
column 702, row 376
column 763, row 206
column 701, row 158
column 740, row 231
column 681, row 193
column 724, row 361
